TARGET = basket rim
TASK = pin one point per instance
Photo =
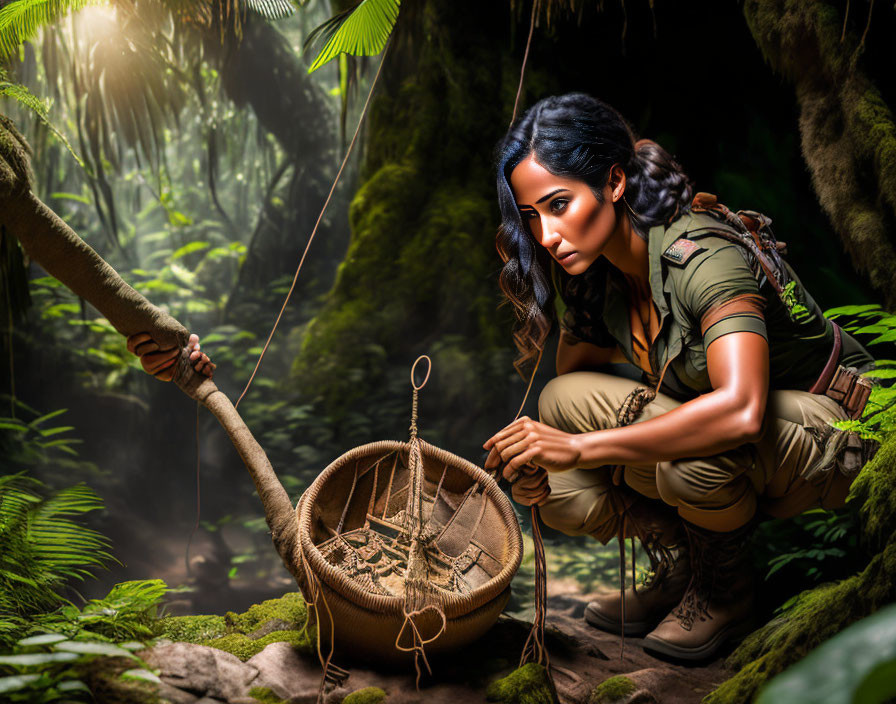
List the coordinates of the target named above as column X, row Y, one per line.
column 453, row 604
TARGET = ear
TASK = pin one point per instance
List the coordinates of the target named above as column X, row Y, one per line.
column 616, row 182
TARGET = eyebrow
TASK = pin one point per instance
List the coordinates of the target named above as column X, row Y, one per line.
column 543, row 198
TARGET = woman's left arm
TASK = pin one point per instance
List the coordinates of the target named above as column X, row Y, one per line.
column 724, row 418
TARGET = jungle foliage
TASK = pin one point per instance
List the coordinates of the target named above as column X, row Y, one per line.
column 204, row 151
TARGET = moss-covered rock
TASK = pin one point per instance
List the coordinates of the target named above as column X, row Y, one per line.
column 245, row 647
column 265, row 695
column 368, row 695
column 527, row 685
column 289, row 608
column 613, row 690
column 245, row 635
column 191, row 629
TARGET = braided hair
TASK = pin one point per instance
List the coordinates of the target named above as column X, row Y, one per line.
column 576, row 136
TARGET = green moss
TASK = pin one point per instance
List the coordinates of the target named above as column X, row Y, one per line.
column 812, row 618
column 527, row 685
column 368, row 695
column 245, row 647
column 612, row 690
column 873, row 491
column 191, row 629
column 289, row 608
column 265, row 695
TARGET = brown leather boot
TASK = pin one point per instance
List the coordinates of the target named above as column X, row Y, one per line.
column 659, row 529
column 717, row 605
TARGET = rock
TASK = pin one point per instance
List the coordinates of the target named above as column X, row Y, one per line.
column 642, row 696
column 200, row 669
column 175, row 695
column 282, row 670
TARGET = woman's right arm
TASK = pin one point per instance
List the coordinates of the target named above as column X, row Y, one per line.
column 574, row 355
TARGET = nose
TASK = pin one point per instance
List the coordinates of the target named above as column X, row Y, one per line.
column 545, row 233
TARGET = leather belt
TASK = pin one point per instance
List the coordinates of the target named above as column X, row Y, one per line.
column 843, row 384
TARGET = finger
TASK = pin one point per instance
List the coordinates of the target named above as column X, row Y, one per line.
column 506, row 446
column 193, row 342
column 493, row 459
column 504, row 432
column 135, row 340
column 158, row 360
column 166, row 374
column 517, row 463
column 209, row 370
column 163, row 371
column 146, row 348
column 541, row 500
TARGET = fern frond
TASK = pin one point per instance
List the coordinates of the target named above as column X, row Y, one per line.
column 361, row 31
column 20, row 19
column 271, row 9
column 43, row 545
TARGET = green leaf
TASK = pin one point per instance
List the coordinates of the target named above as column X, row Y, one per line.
column 43, row 639
column 881, row 374
column 72, row 686
column 36, row 659
column 361, row 31
column 140, row 674
column 856, row 665
column 92, row 648
column 16, row 682
column 852, row 310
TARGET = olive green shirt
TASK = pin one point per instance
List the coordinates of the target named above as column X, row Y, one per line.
column 686, row 281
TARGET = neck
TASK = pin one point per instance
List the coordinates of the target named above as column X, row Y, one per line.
column 627, row 251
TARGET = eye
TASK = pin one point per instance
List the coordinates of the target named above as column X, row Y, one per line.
column 558, row 205
column 528, row 214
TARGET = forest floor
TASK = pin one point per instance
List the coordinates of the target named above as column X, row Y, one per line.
column 581, row 658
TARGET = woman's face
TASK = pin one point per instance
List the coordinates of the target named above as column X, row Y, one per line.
column 563, row 214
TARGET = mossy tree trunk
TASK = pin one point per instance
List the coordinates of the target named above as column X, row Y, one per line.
column 847, row 129
column 421, row 269
column 849, row 143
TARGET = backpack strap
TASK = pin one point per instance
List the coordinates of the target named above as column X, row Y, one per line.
column 744, row 236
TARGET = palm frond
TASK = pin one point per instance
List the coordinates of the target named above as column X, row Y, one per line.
column 271, row 9
column 21, row 19
column 361, row 31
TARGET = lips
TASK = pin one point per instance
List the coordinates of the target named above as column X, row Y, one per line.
column 565, row 257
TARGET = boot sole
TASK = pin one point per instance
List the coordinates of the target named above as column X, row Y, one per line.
column 632, row 628
column 733, row 631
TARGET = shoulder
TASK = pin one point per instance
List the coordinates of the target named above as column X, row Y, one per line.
column 701, row 241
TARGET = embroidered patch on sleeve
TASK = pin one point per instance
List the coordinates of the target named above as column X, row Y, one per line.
column 681, row 250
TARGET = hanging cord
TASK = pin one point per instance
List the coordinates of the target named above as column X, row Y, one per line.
column 519, row 89
column 196, row 525
column 319, row 218
column 420, row 597
column 534, row 649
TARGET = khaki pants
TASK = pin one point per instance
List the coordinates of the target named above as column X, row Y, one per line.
column 721, row 492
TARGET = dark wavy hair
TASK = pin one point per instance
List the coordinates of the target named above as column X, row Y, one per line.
column 576, row 136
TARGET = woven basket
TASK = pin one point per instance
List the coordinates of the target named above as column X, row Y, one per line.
column 475, row 547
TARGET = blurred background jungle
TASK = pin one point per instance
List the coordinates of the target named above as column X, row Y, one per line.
column 188, row 143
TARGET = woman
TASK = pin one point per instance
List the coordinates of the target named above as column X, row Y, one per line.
column 649, row 278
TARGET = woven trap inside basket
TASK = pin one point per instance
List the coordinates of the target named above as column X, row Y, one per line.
column 363, row 524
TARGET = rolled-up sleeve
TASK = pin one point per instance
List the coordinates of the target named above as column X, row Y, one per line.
column 722, row 294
